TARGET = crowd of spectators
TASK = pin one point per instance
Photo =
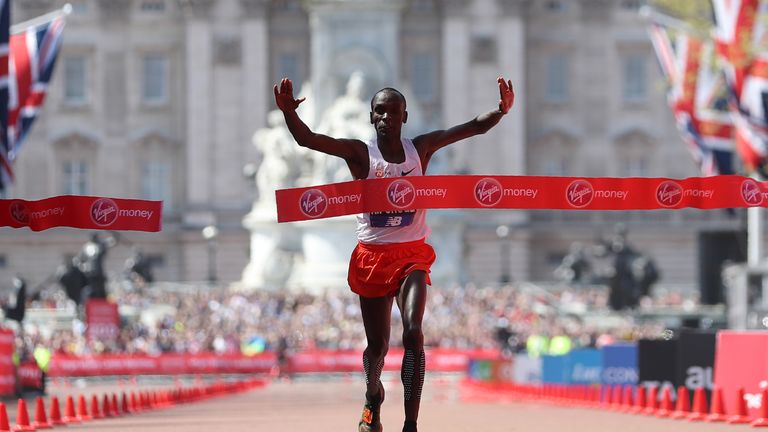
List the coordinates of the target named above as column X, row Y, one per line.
column 223, row 321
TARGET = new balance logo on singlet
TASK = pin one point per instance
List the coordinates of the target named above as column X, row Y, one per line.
column 389, row 219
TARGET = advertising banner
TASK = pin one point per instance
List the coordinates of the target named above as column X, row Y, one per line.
column 657, row 362
column 527, row 370
column 443, row 360
column 85, row 212
column 30, row 376
column 518, row 192
column 102, row 320
column 165, row 364
column 741, row 361
column 696, row 360
column 554, row 369
column 584, row 366
column 7, row 369
column 620, row 365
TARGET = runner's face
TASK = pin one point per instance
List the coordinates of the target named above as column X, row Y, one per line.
column 388, row 114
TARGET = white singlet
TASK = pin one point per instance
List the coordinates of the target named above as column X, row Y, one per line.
column 392, row 226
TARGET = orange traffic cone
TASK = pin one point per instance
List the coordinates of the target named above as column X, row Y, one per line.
column 683, row 404
column 115, row 405
column 665, row 407
column 626, row 403
column 639, row 400
column 82, row 409
column 616, row 398
column 717, row 410
column 4, row 425
column 55, row 412
column 741, row 409
column 41, row 420
column 762, row 421
column 699, row 410
column 652, row 403
column 607, row 393
column 69, row 411
column 22, row 418
column 135, row 407
column 125, row 408
column 95, row 412
column 106, row 409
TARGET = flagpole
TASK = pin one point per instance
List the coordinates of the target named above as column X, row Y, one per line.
column 34, row 22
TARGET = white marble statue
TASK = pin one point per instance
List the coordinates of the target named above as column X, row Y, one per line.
column 347, row 117
column 282, row 160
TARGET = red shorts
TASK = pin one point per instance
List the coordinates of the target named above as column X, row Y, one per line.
column 378, row 270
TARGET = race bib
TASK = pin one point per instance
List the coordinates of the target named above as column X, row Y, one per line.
column 392, row 219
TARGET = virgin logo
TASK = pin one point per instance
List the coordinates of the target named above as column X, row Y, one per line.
column 751, row 193
column 19, row 212
column 488, row 192
column 401, row 193
column 313, row 203
column 579, row 193
column 104, row 212
column 669, row 194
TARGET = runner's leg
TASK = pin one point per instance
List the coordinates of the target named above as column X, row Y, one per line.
column 376, row 320
column 412, row 300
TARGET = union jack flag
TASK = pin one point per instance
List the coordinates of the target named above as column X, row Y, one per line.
column 697, row 96
column 740, row 35
column 6, row 172
column 33, row 54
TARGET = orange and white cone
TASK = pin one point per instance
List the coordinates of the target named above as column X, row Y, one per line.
column 41, row 420
column 741, row 416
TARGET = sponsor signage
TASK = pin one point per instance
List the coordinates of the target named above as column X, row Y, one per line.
column 516, row 192
column 657, row 362
column 585, row 366
column 554, row 369
column 741, row 361
column 696, row 360
column 527, row 370
column 619, row 364
column 7, row 373
column 102, row 320
column 82, row 212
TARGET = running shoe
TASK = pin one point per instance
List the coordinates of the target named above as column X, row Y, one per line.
column 371, row 420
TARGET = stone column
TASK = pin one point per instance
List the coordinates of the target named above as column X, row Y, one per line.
column 512, row 63
column 255, row 66
column 114, row 106
column 513, row 141
column 456, row 73
column 199, row 149
column 596, row 15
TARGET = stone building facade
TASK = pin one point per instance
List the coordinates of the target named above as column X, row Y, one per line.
column 159, row 99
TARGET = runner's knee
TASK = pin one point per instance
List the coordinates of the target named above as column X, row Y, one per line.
column 413, row 338
column 377, row 351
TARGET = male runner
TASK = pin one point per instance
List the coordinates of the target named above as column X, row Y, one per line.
column 392, row 260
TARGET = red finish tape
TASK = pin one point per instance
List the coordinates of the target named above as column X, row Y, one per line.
column 86, row 212
column 518, row 192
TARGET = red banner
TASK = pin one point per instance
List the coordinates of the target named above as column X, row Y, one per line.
column 165, row 364
column 741, row 361
column 84, row 212
column 441, row 360
column 102, row 320
column 7, row 372
column 30, row 375
column 518, row 192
